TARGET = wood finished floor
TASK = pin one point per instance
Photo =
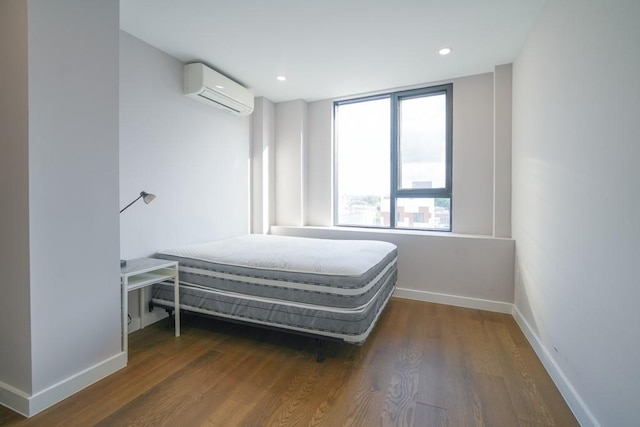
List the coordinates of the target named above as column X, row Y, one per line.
column 424, row 365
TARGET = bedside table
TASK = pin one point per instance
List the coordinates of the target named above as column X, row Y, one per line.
column 142, row 272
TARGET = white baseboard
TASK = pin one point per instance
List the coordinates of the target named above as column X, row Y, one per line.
column 576, row 404
column 29, row 406
column 14, row 399
column 458, row 301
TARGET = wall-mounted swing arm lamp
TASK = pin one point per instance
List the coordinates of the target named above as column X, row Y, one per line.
column 147, row 198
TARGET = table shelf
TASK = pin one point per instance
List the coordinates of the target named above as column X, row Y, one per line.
column 150, row 278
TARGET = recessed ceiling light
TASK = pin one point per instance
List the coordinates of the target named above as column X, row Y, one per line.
column 281, row 78
column 445, row 51
column 220, row 87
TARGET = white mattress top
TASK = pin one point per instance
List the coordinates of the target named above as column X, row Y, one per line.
column 297, row 254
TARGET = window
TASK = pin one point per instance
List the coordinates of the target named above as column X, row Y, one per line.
column 393, row 160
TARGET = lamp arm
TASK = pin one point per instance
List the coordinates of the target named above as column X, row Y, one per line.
column 139, row 197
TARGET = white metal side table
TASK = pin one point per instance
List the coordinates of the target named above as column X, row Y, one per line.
column 142, row 272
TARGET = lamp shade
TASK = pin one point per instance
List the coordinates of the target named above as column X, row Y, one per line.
column 147, row 197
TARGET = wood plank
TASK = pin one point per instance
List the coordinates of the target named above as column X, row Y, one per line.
column 523, row 389
column 462, row 400
column 431, row 416
column 433, row 376
column 497, row 409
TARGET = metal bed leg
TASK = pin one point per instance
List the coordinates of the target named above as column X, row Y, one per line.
column 170, row 319
column 320, row 353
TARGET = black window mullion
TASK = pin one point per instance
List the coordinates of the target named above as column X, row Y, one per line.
column 336, row 177
column 394, row 160
column 449, row 139
column 423, row 192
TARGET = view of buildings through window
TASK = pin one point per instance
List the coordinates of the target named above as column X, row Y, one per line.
column 393, row 160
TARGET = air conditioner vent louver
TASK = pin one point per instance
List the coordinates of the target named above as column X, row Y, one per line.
column 223, row 101
column 212, row 88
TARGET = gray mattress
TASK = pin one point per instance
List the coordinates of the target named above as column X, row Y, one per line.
column 332, row 288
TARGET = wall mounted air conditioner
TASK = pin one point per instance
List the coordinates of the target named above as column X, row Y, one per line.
column 208, row 86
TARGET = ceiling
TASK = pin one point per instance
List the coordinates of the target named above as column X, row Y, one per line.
column 334, row 48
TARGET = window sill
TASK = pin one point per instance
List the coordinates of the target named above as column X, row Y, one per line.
column 282, row 229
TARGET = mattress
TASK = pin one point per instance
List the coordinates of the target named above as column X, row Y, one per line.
column 332, row 288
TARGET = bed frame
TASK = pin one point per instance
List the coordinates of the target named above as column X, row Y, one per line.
column 320, row 340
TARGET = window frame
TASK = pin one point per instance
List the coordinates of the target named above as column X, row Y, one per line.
column 394, row 144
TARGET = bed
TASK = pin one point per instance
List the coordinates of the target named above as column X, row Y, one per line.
column 331, row 289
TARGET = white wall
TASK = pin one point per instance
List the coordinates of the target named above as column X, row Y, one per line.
column 502, row 125
column 472, row 202
column 193, row 157
column 15, row 307
column 576, row 202
column 73, row 186
column 290, row 162
column 60, row 175
column 320, row 164
column 262, row 165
